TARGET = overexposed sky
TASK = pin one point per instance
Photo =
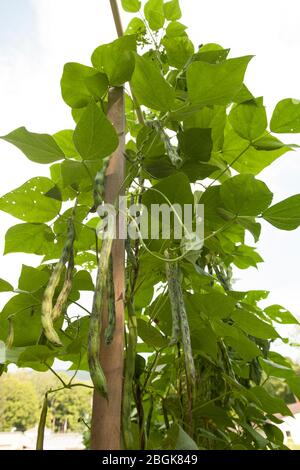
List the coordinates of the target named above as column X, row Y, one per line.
column 38, row 36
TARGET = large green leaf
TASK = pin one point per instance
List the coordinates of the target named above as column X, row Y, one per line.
column 286, row 117
column 280, row 315
column 116, row 59
column 39, row 148
column 213, row 305
column 294, row 384
column 269, row 403
column 94, row 136
column 286, row 214
column 172, row 10
column 32, row 279
column 150, row 335
column 246, row 158
column 178, row 439
column 175, row 188
column 154, row 14
column 79, row 174
column 150, row 87
column 132, row 6
column 179, row 50
column 25, row 309
column 34, row 357
column 252, row 325
column 65, row 141
column 210, row 84
column 30, row 203
column 79, row 84
column 249, row 120
column 5, row 286
column 196, row 144
column 243, row 195
column 28, row 238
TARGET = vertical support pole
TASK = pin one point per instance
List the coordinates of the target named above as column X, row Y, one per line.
column 106, row 416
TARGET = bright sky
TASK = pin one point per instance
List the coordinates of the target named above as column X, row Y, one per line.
column 38, row 36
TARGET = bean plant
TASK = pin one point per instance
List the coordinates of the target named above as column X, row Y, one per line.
column 197, row 351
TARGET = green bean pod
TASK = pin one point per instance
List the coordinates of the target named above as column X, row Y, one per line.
column 172, row 274
column 99, row 183
column 96, row 371
column 179, row 310
column 11, row 333
column 65, row 292
column 129, row 377
column 47, row 302
column 42, row 425
column 109, row 331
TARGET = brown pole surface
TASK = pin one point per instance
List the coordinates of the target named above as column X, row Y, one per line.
column 106, row 416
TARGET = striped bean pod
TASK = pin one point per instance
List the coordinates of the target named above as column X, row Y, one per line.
column 11, row 333
column 96, row 371
column 47, row 303
column 109, row 332
column 129, row 377
column 67, row 287
column 42, row 425
column 179, row 310
column 99, row 183
column 172, row 275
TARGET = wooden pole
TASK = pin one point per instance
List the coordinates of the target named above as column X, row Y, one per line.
column 106, row 416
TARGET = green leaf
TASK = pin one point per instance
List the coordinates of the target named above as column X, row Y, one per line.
column 154, row 14
column 65, row 141
column 196, row 144
column 269, row 403
column 34, row 357
column 26, row 310
column 79, row 174
column 176, row 29
column 280, row 315
column 32, row 279
column 249, row 120
column 252, row 325
column 179, row 50
column 169, row 188
column 245, row 256
column 209, row 54
column 178, row 439
column 94, row 136
column 150, row 335
column 29, row 202
column 39, row 148
column 243, row 346
column 286, row 214
column 83, row 281
column 116, row 59
column 76, row 85
column 243, row 195
column 150, row 87
column 5, row 286
column 286, row 117
column 214, row 304
column 294, row 384
column 210, row 84
column 132, row 6
column 254, row 158
column 28, row 238
column 172, row 10
column 136, row 26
